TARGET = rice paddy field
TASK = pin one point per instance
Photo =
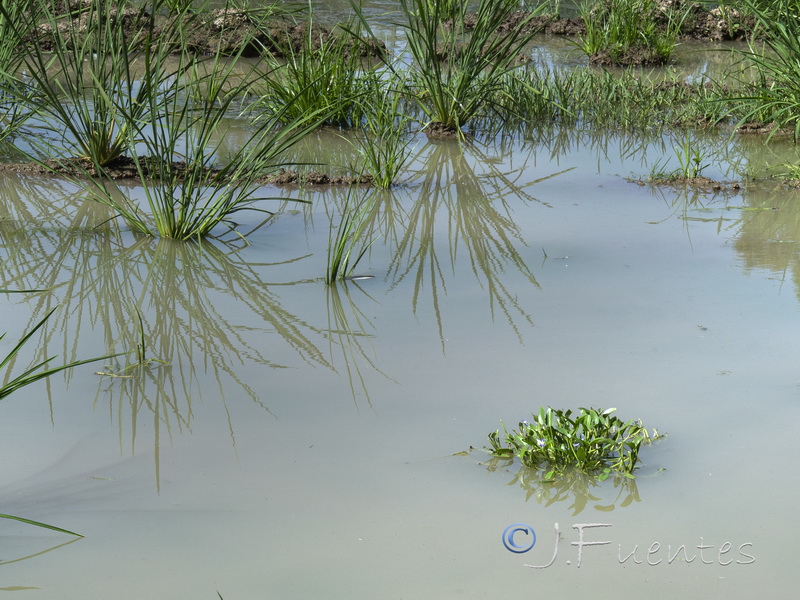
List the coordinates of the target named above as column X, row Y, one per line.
column 322, row 297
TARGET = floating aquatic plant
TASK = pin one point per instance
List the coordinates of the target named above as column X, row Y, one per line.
column 594, row 441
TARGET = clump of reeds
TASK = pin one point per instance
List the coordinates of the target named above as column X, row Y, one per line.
column 324, row 75
column 87, row 89
column 106, row 91
column 458, row 65
column 775, row 96
column 629, row 31
column 383, row 139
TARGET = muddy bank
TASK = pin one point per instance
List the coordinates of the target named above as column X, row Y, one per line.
column 253, row 33
column 225, row 31
column 125, row 169
column 715, row 25
column 699, row 183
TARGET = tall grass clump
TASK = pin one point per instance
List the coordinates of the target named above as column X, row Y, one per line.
column 457, row 67
column 383, row 137
column 12, row 114
column 84, row 77
column 188, row 192
column 776, row 56
column 323, row 75
column 629, row 31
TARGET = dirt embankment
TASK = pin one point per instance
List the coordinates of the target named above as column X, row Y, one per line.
column 226, row 31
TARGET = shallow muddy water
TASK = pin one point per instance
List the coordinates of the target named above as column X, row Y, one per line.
column 300, row 441
column 295, row 440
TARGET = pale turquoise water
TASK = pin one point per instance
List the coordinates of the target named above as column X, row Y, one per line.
column 299, row 444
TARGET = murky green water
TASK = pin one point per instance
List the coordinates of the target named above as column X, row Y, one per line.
column 298, row 440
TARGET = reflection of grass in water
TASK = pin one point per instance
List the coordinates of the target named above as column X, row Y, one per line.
column 102, row 281
column 34, row 555
column 348, row 328
column 476, row 214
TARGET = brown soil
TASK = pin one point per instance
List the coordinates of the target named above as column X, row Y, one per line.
column 717, row 25
column 440, row 131
column 124, row 168
column 755, row 128
column 704, row 184
column 293, row 178
column 232, row 30
column 224, row 30
column 700, row 24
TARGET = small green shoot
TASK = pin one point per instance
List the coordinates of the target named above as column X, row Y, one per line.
column 343, row 239
column 39, row 524
column 141, row 356
column 692, row 161
column 39, row 370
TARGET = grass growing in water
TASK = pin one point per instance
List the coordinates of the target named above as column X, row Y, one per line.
column 594, row 441
column 692, row 161
column 776, row 98
column 87, row 88
column 604, row 100
column 188, row 200
column 323, row 75
column 458, row 68
column 344, row 253
column 384, row 144
column 629, row 31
